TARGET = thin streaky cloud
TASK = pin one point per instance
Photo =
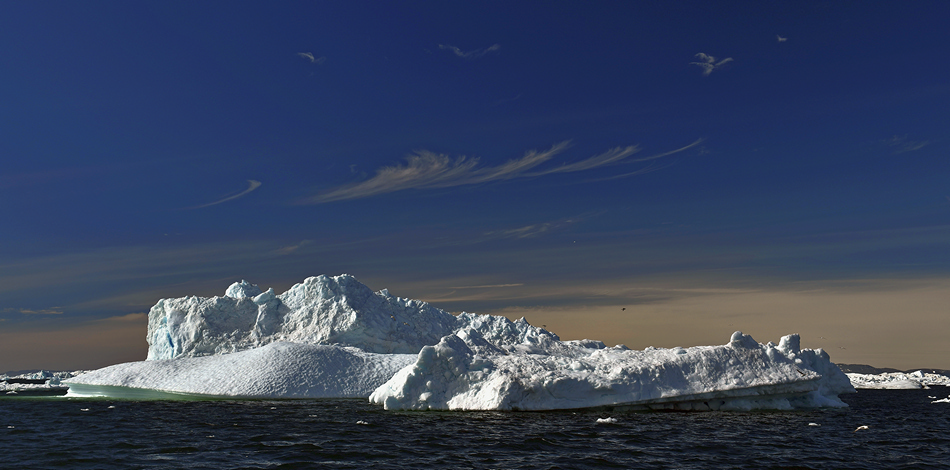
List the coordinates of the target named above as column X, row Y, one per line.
column 902, row 145
column 46, row 311
column 487, row 286
column 611, row 156
column 651, row 168
column 614, row 155
column 286, row 250
column 709, row 63
column 430, row 170
column 671, row 152
column 531, row 231
column 470, row 54
column 251, row 186
column 426, row 169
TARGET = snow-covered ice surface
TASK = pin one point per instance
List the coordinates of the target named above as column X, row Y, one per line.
column 465, row 372
column 334, row 337
column 277, row 370
column 898, row 380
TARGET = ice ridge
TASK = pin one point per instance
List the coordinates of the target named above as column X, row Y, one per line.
column 320, row 310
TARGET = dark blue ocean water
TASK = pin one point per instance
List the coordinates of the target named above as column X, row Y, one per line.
column 905, row 430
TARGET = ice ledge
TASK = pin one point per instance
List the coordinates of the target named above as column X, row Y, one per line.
column 462, row 373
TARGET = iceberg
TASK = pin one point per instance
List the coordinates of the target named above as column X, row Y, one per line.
column 898, row 380
column 333, row 337
column 465, row 372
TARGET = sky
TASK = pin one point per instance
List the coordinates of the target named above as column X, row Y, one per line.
column 642, row 173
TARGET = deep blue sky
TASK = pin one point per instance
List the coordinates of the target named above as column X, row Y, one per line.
column 774, row 167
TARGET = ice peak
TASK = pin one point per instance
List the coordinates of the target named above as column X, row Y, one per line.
column 790, row 344
column 745, row 341
column 243, row 289
column 320, row 310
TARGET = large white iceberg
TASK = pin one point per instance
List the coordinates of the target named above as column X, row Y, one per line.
column 334, row 337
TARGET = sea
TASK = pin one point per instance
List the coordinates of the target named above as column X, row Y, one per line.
column 905, row 429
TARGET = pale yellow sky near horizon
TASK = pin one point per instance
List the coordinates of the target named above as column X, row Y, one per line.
column 904, row 326
column 895, row 323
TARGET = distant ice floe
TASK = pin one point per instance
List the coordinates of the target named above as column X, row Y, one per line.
column 334, row 337
column 35, row 384
column 898, row 380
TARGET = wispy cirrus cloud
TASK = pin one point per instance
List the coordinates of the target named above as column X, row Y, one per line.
column 652, row 168
column 528, row 231
column 29, row 311
column 426, row 169
column 429, row 170
column 488, row 286
column 286, row 250
column 901, row 144
column 531, row 231
column 470, row 54
column 709, row 63
column 251, row 186
column 313, row 60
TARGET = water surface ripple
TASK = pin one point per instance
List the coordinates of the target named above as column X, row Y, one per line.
column 905, row 430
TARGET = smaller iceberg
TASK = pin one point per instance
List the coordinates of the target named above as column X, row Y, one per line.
column 898, row 380
column 465, row 372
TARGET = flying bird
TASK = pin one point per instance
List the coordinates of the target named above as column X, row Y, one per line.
column 780, row 38
column 861, row 428
column 709, row 63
